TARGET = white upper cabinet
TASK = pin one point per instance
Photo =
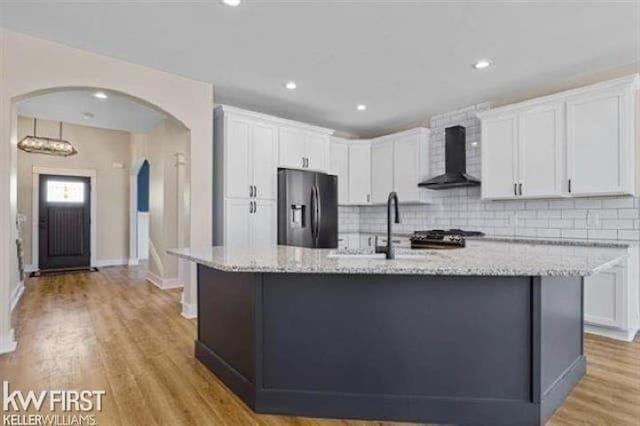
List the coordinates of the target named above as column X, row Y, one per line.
column 540, row 149
column 581, row 142
column 499, row 157
column 359, row 172
column 339, row 166
column 601, row 145
column 317, row 152
column 302, row 148
column 411, row 166
column 381, row 170
column 292, row 148
column 238, row 157
column 264, row 148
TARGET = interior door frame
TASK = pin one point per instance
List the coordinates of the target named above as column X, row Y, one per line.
column 35, row 209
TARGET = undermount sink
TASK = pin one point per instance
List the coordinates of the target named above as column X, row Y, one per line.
column 361, row 254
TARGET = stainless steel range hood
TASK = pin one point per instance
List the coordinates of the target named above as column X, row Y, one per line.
column 455, row 153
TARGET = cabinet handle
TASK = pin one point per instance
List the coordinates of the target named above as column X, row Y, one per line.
column 250, row 207
column 255, row 207
column 520, row 188
column 368, row 198
column 303, row 163
column 515, row 189
column 369, row 243
column 255, row 191
column 307, row 162
column 569, row 185
column 250, row 190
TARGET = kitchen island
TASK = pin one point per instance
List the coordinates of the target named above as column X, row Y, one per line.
column 488, row 334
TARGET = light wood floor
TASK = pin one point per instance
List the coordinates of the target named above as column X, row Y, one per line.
column 112, row 330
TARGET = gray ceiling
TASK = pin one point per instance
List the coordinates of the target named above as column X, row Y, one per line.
column 116, row 112
column 407, row 60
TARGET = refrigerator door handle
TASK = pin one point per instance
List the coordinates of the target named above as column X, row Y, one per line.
column 313, row 211
column 318, row 210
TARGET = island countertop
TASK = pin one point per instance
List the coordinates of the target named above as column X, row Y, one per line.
column 486, row 258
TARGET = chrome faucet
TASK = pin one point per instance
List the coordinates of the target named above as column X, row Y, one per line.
column 389, row 250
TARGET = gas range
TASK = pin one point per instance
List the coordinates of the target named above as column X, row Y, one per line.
column 439, row 238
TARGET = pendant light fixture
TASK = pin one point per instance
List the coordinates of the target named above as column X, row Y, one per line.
column 50, row 146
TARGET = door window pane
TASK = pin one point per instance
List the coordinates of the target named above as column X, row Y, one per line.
column 65, row 192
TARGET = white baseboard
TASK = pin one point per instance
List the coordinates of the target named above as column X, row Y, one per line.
column 162, row 283
column 16, row 294
column 624, row 335
column 189, row 310
column 30, row 268
column 110, row 262
column 8, row 343
column 133, row 262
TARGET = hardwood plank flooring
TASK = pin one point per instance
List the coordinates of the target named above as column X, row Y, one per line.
column 112, row 330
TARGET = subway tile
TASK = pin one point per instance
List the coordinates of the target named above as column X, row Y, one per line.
column 588, row 203
column 605, row 234
column 574, row 233
column 618, row 203
column 626, row 234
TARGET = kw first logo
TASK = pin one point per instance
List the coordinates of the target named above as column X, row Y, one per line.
column 14, row 403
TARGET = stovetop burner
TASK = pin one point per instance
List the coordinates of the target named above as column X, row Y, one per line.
column 439, row 238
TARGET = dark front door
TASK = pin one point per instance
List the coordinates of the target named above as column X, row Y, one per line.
column 64, row 222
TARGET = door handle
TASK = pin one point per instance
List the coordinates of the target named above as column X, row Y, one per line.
column 312, row 203
column 520, row 188
column 318, row 210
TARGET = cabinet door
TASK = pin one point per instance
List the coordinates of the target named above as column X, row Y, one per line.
column 541, row 135
column 237, row 224
column 367, row 241
column 265, row 223
column 595, row 137
column 291, row 147
column 339, row 165
column 265, row 170
column 238, row 159
column 499, row 157
column 406, row 163
column 316, row 152
column 359, row 174
column 604, row 298
column 381, row 171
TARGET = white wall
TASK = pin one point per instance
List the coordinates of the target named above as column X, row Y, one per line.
column 160, row 147
column 29, row 65
column 98, row 149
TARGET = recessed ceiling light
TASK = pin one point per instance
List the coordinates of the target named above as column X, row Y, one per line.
column 291, row 85
column 87, row 115
column 232, row 3
column 482, row 64
column 362, row 107
column 100, row 95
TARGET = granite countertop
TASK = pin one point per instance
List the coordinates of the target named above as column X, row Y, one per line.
column 480, row 257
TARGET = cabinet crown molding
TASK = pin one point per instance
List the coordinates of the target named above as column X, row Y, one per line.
column 631, row 82
column 220, row 109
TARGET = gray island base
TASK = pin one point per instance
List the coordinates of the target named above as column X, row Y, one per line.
column 454, row 349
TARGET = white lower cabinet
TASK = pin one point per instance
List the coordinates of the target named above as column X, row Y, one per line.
column 612, row 300
column 604, row 298
column 237, row 231
column 250, row 222
column 367, row 241
column 349, row 242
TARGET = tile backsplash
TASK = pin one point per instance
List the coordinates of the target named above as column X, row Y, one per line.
column 615, row 218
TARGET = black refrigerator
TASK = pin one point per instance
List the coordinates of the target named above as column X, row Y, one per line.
column 307, row 209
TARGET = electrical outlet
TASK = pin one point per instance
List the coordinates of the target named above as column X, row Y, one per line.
column 593, row 220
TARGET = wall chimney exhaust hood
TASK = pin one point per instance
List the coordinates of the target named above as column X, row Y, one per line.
column 455, row 154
